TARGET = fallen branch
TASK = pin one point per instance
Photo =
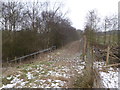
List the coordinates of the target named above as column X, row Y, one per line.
column 117, row 64
column 115, row 56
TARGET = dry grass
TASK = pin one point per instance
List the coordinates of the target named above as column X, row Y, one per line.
column 66, row 52
column 85, row 80
column 6, row 81
column 59, row 78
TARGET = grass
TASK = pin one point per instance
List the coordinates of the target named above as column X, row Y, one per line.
column 85, row 80
column 34, row 66
column 24, row 71
column 23, row 76
column 112, row 39
column 25, row 68
column 46, row 63
column 18, row 67
column 44, row 72
column 5, row 81
column 57, row 78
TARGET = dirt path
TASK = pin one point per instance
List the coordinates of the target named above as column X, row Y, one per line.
column 56, row 69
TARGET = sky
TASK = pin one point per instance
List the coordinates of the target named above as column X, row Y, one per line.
column 78, row 9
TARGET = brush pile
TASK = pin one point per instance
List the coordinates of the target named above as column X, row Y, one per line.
column 114, row 54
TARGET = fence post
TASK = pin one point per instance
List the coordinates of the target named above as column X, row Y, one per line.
column 20, row 60
column 7, row 61
column 34, row 56
column 107, row 58
column 15, row 60
column 84, row 47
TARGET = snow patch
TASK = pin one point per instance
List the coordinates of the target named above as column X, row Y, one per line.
column 110, row 80
column 29, row 75
column 9, row 85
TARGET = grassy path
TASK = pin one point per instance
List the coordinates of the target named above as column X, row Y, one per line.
column 56, row 69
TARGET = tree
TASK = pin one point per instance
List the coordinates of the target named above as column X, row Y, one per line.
column 29, row 27
column 11, row 15
column 110, row 25
column 91, row 26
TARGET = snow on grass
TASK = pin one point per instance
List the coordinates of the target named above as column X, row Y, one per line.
column 23, row 83
column 9, row 85
column 59, row 72
column 45, row 74
column 110, row 80
column 29, row 75
column 60, row 82
column 79, row 69
column 99, row 65
column 109, row 76
column 9, row 77
column 48, row 83
column 14, row 82
column 27, row 79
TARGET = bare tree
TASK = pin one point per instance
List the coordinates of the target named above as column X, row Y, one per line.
column 92, row 19
column 11, row 15
column 92, row 25
column 106, row 25
column 114, row 27
column 110, row 25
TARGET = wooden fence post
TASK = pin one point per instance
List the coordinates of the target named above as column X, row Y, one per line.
column 107, row 58
column 35, row 56
column 20, row 60
column 7, row 61
column 15, row 60
column 84, row 47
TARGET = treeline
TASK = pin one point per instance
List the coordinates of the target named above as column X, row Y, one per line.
column 101, row 31
column 29, row 27
column 102, row 38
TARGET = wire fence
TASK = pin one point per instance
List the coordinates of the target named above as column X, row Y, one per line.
column 31, row 55
column 89, row 57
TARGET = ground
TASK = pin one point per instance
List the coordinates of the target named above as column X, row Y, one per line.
column 108, row 76
column 57, row 69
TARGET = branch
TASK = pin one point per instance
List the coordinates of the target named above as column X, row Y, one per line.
column 117, row 64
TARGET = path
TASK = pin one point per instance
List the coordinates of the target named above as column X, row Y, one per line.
column 56, row 69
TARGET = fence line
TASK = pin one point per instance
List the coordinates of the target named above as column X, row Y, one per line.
column 97, row 79
column 32, row 54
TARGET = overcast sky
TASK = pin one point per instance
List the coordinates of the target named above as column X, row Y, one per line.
column 79, row 8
